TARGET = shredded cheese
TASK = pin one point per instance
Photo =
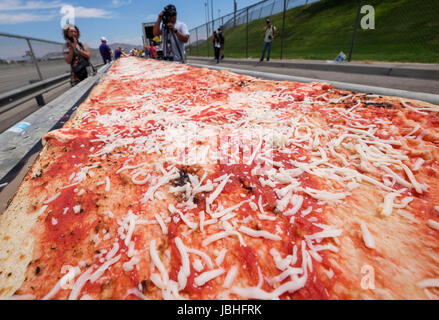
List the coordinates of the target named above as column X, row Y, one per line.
column 259, row 233
column 157, row 262
column 429, row 283
column 52, row 198
column 207, row 276
column 367, row 236
column 230, row 277
column 433, row 224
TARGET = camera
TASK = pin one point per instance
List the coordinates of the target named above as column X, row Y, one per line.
column 168, row 12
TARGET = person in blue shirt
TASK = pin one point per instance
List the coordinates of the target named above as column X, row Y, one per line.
column 118, row 53
column 105, row 51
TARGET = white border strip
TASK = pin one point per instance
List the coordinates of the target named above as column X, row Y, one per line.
column 427, row 97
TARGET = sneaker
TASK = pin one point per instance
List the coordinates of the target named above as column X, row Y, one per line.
column 262, row 59
column 268, row 59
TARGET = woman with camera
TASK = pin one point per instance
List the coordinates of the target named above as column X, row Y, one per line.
column 76, row 53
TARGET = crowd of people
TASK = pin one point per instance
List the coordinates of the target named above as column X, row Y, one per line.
column 168, row 31
column 77, row 54
column 171, row 33
column 147, row 52
column 269, row 32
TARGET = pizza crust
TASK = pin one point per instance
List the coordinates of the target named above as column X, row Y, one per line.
column 415, row 256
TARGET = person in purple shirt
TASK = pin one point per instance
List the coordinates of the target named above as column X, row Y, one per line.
column 105, row 50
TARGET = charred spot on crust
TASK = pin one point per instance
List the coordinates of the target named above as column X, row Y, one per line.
column 98, row 227
column 245, row 184
column 241, row 83
column 380, row 105
column 183, row 179
column 145, row 286
column 125, row 180
column 37, row 271
column 271, row 206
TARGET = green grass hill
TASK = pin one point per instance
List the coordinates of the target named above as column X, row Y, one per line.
column 405, row 31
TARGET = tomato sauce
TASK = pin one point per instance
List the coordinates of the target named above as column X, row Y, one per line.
column 250, row 263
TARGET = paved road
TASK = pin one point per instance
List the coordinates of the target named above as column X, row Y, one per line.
column 14, row 76
column 11, row 117
column 401, row 83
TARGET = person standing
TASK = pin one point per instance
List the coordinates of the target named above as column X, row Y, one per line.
column 118, row 53
column 221, row 38
column 77, row 54
column 174, row 34
column 270, row 34
column 146, row 52
column 216, row 46
column 105, row 51
column 153, row 51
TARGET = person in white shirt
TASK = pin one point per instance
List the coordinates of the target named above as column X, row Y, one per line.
column 174, row 34
column 270, row 34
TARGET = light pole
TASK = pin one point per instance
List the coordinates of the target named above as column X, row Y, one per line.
column 206, row 5
column 357, row 22
column 206, row 12
column 211, row 8
column 283, row 30
column 207, row 17
column 235, row 7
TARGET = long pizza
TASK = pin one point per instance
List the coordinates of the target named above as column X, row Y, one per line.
column 175, row 182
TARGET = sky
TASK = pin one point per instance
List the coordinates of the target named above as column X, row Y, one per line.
column 117, row 20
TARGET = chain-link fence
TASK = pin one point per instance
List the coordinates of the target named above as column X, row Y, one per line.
column 236, row 22
column 378, row 30
column 26, row 60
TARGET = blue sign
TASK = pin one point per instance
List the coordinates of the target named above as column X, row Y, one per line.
column 19, row 127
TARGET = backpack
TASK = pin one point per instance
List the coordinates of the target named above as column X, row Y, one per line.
column 80, row 69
